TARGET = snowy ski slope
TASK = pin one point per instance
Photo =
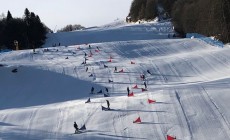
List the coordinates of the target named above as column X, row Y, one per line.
column 190, row 83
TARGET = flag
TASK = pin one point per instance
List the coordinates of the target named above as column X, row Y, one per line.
column 121, row 70
column 83, row 127
column 135, row 86
column 170, row 137
column 143, row 89
column 138, row 120
column 88, row 101
column 151, row 101
column 106, row 95
column 131, row 94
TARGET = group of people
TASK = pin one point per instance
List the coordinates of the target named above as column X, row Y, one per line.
column 106, row 89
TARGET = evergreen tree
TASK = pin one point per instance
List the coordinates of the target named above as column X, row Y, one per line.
column 141, row 14
column 143, row 9
column 151, row 9
column 9, row 16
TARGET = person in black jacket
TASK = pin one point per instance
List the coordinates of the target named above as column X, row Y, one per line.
column 106, row 89
column 128, row 90
column 76, row 127
column 108, row 104
column 92, row 90
column 145, row 85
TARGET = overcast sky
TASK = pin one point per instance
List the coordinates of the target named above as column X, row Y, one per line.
column 58, row 13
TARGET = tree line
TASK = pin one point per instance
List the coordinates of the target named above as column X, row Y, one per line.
column 207, row 17
column 71, row 27
column 143, row 10
column 28, row 31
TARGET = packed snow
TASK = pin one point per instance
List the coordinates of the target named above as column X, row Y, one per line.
column 187, row 95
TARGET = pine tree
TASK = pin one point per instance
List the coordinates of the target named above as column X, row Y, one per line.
column 141, row 14
column 151, row 9
column 9, row 16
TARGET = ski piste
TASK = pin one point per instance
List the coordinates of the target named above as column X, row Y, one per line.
column 187, row 97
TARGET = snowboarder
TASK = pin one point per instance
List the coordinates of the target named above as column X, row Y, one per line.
column 128, row 90
column 108, row 104
column 145, row 85
column 115, row 69
column 76, row 127
column 92, row 90
column 106, row 89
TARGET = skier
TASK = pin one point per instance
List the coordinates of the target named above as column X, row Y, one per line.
column 92, row 90
column 145, row 85
column 85, row 54
column 108, row 104
column 76, row 127
column 89, row 47
column 128, row 90
column 86, row 69
column 115, row 69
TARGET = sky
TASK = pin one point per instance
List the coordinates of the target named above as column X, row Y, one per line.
column 59, row 13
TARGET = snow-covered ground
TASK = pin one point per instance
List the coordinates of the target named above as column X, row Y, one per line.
column 189, row 82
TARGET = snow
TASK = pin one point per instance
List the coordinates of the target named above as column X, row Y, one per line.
column 190, row 82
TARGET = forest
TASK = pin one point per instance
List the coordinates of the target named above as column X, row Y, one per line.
column 206, row 17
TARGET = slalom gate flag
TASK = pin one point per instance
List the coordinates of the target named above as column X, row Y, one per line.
column 83, row 127
column 110, row 60
column 151, row 101
column 132, row 62
column 121, row 70
column 135, row 86
column 143, row 89
column 106, row 95
column 138, row 120
column 104, row 108
column 131, row 94
column 170, row 137
column 96, row 50
column 88, row 101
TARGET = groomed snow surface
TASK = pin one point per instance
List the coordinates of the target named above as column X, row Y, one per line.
column 189, row 84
